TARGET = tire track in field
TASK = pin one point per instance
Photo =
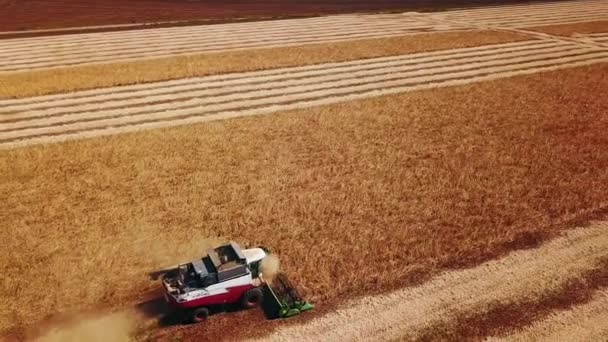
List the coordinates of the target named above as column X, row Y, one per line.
column 585, row 322
column 404, row 314
column 596, row 38
column 163, row 104
column 24, row 54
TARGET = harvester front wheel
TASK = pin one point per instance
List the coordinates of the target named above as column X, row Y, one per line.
column 252, row 298
column 199, row 315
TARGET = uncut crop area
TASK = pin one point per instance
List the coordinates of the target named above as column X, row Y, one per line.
column 422, row 175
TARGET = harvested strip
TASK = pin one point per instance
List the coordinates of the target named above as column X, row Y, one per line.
column 586, row 322
column 573, row 29
column 131, row 26
column 67, row 13
column 528, row 15
column 601, row 38
column 519, row 276
column 93, row 48
column 266, row 27
column 61, row 51
column 87, row 77
column 101, row 112
column 117, row 50
column 256, row 78
column 506, row 317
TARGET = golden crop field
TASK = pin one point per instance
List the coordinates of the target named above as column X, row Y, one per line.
column 436, row 182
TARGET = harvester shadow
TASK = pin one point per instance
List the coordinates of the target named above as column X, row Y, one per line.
column 158, row 309
column 153, row 308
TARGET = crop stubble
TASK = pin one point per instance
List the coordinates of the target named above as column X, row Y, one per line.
column 44, row 82
column 18, row 15
column 585, row 322
column 571, row 29
column 94, row 48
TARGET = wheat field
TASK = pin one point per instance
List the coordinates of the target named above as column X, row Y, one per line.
column 377, row 179
column 412, row 160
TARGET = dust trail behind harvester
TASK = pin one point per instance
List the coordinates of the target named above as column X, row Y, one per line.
column 116, row 327
column 124, row 325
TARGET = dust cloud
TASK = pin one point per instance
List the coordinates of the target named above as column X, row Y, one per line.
column 270, row 267
column 116, row 327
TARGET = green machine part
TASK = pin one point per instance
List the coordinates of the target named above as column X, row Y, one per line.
column 282, row 300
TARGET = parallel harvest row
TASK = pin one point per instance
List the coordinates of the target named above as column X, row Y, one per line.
column 535, row 14
column 598, row 38
column 123, row 109
column 92, row 48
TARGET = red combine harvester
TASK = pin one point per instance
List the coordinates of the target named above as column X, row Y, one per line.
column 229, row 275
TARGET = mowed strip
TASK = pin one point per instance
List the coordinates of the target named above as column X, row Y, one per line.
column 573, row 29
column 527, row 15
column 585, row 322
column 389, row 189
column 405, row 314
column 60, row 51
column 601, row 38
column 107, row 111
column 91, row 48
column 42, row 82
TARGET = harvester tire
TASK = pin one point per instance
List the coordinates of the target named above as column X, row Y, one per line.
column 199, row 315
column 252, row 298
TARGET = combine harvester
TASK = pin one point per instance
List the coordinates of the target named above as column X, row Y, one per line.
column 228, row 275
